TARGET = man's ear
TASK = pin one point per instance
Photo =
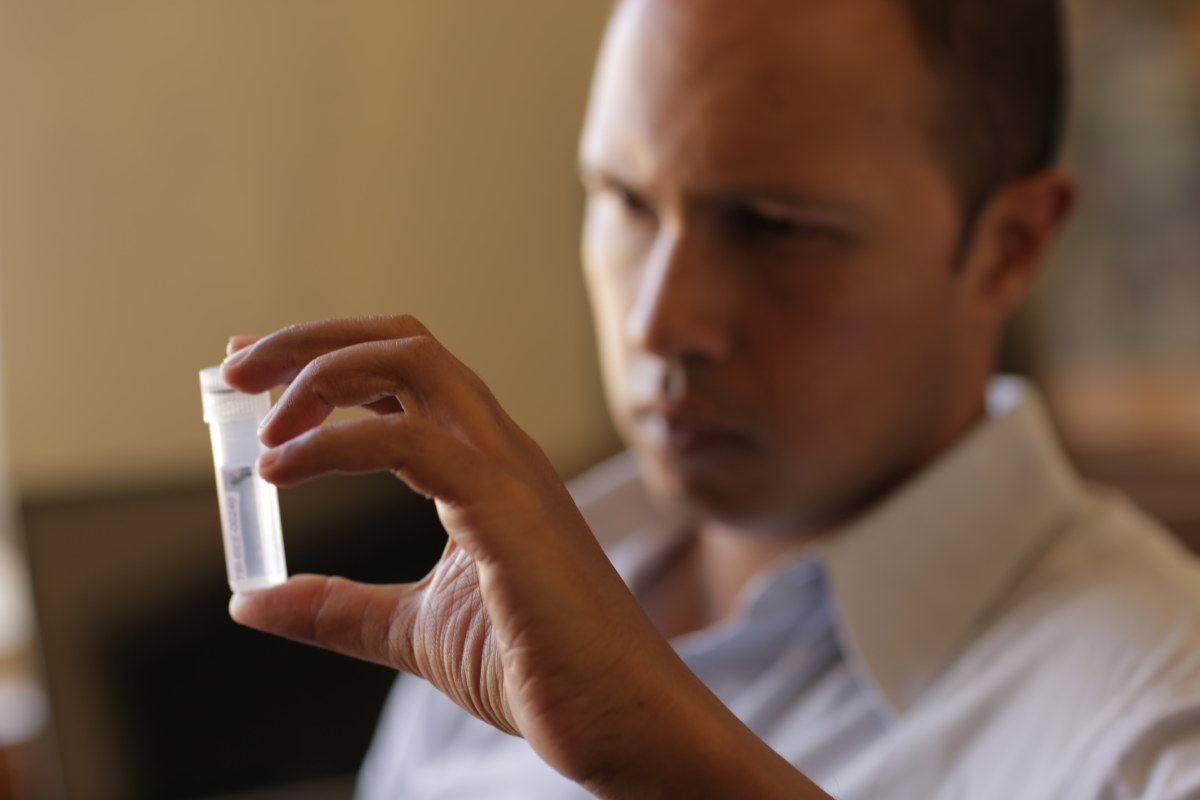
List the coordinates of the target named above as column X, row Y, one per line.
column 1012, row 235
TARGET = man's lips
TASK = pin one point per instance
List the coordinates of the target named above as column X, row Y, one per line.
column 691, row 432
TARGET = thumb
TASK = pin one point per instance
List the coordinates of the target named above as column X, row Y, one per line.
column 364, row 621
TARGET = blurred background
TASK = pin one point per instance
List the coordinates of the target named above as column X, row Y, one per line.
column 174, row 173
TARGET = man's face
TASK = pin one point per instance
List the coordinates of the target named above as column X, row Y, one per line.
column 769, row 247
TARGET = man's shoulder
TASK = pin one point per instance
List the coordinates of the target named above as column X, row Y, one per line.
column 1104, row 636
column 1121, row 570
column 1110, row 611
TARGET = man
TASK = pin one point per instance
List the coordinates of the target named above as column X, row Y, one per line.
column 843, row 564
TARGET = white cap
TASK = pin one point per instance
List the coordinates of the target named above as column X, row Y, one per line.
column 223, row 403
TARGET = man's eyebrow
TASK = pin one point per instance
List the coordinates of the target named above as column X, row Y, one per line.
column 595, row 174
column 810, row 202
column 830, row 206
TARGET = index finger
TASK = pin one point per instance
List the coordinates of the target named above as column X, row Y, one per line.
column 278, row 358
column 236, row 343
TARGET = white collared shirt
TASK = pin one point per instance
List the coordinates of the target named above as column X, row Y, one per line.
column 993, row 629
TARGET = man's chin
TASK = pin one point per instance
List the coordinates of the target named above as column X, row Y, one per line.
column 742, row 499
column 708, row 495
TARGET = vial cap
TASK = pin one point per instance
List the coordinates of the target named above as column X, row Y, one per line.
column 223, row 403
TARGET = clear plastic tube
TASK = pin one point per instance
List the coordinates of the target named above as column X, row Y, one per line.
column 253, row 536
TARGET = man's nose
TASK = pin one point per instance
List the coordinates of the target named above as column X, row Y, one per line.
column 683, row 301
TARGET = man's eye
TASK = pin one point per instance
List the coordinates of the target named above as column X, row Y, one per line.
column 751, row 226
column 632, row 202
column 748, row 222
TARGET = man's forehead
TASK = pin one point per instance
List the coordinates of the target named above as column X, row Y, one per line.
column 760, row 44
column 753, row 27
column 751, row 73
column 697, row 35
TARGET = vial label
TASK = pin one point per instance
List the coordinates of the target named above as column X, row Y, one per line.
column 244, row 540
column 233, row 529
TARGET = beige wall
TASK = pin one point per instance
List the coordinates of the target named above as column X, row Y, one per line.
column 173, row 173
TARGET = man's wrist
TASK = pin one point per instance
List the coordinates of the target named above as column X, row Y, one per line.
column 686, row 743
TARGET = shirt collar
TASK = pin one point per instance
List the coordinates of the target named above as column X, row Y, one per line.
column 911, row 578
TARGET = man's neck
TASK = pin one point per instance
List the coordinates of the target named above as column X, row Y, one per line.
column 702, row 584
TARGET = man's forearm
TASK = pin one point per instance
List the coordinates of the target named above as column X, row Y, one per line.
column 694, row 747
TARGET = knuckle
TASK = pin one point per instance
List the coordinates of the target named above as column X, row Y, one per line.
column 317, row 368
column 293, row 330
column 315, row 378
column 406, row 436
column 288, row 336
column 319, row 628
column 478, row 384
column 402, row 326
column 422, row 350
column 395, row 639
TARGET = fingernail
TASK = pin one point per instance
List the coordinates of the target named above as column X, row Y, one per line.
column 267, row 459
column 235, row 358
column 262, row 423
column 237, row 604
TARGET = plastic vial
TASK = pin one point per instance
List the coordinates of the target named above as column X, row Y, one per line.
column 249, row 505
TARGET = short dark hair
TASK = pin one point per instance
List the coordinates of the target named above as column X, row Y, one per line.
column 1002, row 66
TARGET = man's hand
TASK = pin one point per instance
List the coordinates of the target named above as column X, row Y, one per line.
column 523, row 622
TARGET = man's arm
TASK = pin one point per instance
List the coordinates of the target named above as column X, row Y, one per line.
column 523, row 622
